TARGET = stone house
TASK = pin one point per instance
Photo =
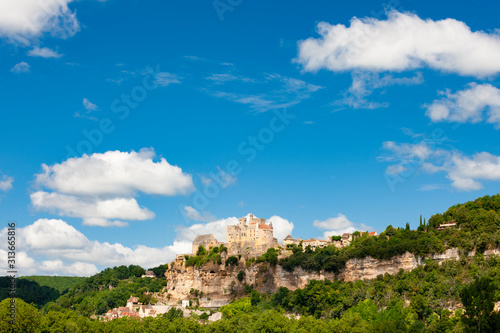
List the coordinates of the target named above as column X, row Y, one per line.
column 149, row 274
column 207, row 241
column 290, row 240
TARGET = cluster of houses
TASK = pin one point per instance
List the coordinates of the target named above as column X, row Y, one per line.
column 136, row 310
column 345, row 240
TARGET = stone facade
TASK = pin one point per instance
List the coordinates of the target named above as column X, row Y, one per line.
column 207, row 241
column 312, row 242
column 250, row 229
column 251, row 236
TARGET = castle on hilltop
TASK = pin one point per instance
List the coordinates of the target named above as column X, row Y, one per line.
column 256, row 232
column 251, row 235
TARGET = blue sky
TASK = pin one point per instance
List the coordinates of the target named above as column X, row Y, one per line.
column 129, row 127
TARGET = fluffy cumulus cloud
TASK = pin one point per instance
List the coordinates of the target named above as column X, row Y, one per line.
column 100, row 188
column 47, row 235
column 6, row 183
column 403, row 41
column 116, row 173
column 55, row 247
column 466, row 173
column 22, row 21
column 476, row 103
column 282, row 227
column 22, row 67
column 217, row 228
column 339, row 225
column 94, row 211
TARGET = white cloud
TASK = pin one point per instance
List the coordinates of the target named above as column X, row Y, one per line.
column 116, row 173
column 396, row 169
column 56, row 248
column 474, row 104
column 226, row 77
column 59, row 235
column 217, row 228
column 195, row 215
column 416, row 150
column 99, row 188
column 58, row 267
column 164, row 79
column 89, row 108
column 363, row 85
column 94, row 211
column 281, row 227
column 6, row 183
column 22, row 67
column 44, row 52
column 88, row 105
column 465, row 172
column 206, row 181
column 402, row 42
column 339, row 225
column 431, row 187
column 274, row 91
column 25, row 265
column 22, row 21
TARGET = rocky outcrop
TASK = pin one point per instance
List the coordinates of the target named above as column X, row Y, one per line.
column 369, row 268
column 220, row 281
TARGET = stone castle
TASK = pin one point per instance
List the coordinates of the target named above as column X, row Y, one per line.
column 250, row 236
column 252, row 231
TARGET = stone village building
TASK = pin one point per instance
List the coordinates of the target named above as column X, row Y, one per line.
column 207, row 241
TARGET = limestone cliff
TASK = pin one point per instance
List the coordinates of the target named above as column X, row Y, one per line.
column 218, row 281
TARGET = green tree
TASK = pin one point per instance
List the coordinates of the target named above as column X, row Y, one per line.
column 241, row 275
column 201, row 251
column 26, row 317
column 478, row 300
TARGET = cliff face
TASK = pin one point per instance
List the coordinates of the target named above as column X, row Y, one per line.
column 218, row 281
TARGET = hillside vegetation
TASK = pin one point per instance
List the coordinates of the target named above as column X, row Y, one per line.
column 59, row 283
column 456, row 296
column 478, row 227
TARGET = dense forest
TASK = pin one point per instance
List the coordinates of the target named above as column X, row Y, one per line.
column 456, row 296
